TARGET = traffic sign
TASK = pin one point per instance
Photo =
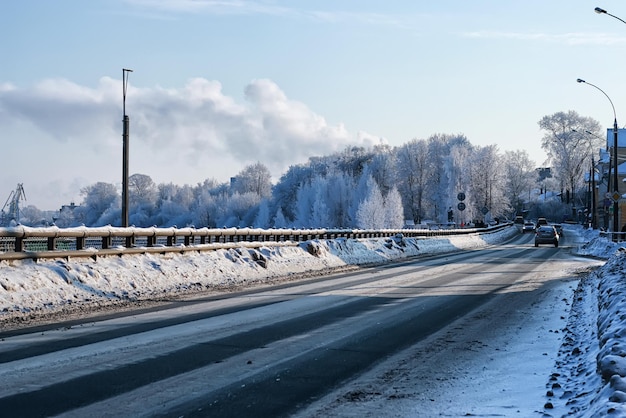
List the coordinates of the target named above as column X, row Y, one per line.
column 616, row 196
column 461, row 206
column 461, row 197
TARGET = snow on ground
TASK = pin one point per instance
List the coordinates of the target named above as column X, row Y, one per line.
column 589, row 377
column 47, row 285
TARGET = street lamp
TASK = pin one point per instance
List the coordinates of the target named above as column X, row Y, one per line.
column 592, row 184
column 601, row 11
column 125, row 133
column 616, row 194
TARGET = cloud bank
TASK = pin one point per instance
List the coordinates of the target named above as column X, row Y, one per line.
column 184, row 134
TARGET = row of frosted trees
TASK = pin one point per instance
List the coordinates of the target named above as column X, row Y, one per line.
column 381, row 187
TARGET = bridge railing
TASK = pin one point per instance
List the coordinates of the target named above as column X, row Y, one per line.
column 22, row 242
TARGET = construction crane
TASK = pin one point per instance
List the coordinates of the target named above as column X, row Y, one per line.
column 13, row 205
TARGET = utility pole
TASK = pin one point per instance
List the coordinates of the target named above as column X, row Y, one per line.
column 126, row 147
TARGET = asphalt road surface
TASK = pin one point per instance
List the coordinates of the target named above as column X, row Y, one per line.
column 269, row 351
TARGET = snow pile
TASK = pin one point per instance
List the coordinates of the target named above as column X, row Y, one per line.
column 609, row 348
column 590, row 377
column 31, row 287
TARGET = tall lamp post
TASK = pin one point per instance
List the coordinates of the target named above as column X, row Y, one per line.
column 605, row 216
column 616, row 194
column 601, row 11
column 125, row 133
column 592, row 184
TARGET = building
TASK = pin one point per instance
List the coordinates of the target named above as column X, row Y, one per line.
column 603, row 180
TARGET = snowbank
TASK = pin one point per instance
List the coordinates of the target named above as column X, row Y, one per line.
column 31, row 287
column 591, row 377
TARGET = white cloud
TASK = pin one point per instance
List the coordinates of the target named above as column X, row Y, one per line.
column 179, row 135
column 271, row 8
column 219, row 7
column 572, row 38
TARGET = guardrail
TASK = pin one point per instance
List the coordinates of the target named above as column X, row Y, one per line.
column 23, row 242
column 613, row 236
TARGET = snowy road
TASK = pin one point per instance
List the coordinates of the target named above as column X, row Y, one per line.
column 293, row 348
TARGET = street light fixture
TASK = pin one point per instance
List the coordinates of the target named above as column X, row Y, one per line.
column 125, row 134
column 616, row 194
column 601, row 11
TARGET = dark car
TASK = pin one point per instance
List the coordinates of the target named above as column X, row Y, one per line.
column 546, row 234
column 542, row 221
column 559, row 229
column 528, row 227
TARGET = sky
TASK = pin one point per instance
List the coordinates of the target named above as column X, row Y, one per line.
column 586, row 317
column 218, row 85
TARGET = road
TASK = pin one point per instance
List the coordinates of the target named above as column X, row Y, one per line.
column 271, row 351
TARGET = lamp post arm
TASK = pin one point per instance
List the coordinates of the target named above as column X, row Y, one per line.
column 601, row 11
column 580, row 80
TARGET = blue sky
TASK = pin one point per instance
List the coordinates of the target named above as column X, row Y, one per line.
column 217, row 85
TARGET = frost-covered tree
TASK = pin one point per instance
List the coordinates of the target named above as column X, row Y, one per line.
column 371, row 210
column 353, row 160
column 438, row 186
column 254, row 178
column 488, row 181
column 414, row 170
column 279, row 219
column 239, row 210
column 30, row 215
column 174, row 205
column 382, row 168
column 319, row 214
column 394, row 213
column 568, row 146
column 98, row 199
column 262, row 219
column 340, row 188
column 142, row 190
column 205, row 212
column 521, row 178
column 285, row 192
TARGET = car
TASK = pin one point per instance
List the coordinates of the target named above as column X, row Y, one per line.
column 546, row 234
column 542, row 221
column 559, row 229
column 519, row 220
column 528, row 227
